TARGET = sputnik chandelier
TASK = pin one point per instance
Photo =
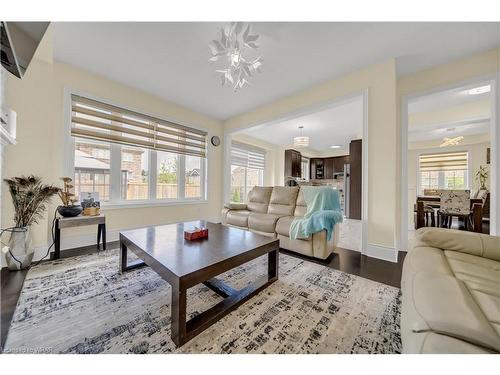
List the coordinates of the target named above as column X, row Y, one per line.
column 231, row 48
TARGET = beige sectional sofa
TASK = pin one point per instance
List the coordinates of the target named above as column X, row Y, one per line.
column 270, row 211
column 451, row 293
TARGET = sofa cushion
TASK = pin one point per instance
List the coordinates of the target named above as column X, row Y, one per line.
column 283, row 225
column 262, row 222
column 300, row 205
column 429, row 259
column 238, row 218
column 472, row 243
column 282, row 201
column 258, row 198
column 447, row 307
column 477, row 268
column 450, row 293
column 235, row 206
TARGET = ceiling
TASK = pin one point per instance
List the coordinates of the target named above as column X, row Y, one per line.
column 452, row 98
column 337, row 125
column 439, row 131
column 170, row 60
column 444, row 99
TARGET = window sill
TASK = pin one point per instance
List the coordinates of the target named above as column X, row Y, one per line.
column 145, row 204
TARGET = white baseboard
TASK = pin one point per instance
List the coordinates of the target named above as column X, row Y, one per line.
column 389, row 254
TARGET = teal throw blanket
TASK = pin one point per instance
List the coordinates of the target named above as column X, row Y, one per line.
column 323, row 212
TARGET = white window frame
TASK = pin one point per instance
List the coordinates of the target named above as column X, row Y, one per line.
column 248, row 148
column 245, row 185
column 468, row 174
column 115, row 200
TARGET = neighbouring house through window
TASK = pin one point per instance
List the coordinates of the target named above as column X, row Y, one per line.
column 126, row 156
column 247, row 170
column 443, row 171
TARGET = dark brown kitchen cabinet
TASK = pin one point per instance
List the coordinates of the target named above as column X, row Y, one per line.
column 293, row 160
column 355, row 159
column 338, row 163
column 326, row 168
column 316, row 168
column 329, row 168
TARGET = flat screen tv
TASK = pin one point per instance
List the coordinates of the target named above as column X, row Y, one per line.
column 19, row 41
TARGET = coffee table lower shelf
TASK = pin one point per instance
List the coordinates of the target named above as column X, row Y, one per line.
column 182, row 330
column 199, row 323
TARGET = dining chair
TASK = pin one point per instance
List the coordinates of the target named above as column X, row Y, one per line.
column 429, row 215
column 454, row 203
column 431, row 192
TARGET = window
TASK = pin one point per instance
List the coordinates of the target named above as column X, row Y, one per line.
column 134, row 167
column 127, row 156
column 443, row 171
column 92, row 173
column 304, row 168
column 166, row 175
column 193, row 175
column 247, row 170
column 429, row 180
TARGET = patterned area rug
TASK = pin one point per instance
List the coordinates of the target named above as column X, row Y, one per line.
column 82, row 305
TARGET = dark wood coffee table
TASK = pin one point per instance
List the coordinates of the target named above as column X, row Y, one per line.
column 184, row 264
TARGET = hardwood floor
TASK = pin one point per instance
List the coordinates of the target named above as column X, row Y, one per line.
column 353, row 262
column 11, row 285
column 342, row 259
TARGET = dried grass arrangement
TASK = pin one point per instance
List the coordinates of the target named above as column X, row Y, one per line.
column 29, row 196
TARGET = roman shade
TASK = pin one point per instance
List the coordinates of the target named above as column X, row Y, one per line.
column 244, row 155
column 443, row 162
column 94, row 120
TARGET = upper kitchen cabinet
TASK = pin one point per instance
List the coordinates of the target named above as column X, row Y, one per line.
column 326, row 168
column 316, row 168
column 339, row 162
column 329, row 168
column 293, row 161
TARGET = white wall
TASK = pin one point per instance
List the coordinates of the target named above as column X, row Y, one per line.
column 38, row 100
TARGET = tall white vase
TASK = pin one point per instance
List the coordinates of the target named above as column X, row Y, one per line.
column 21, row 252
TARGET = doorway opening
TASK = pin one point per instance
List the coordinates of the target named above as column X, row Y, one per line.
column 448, row 148
column 325, row 145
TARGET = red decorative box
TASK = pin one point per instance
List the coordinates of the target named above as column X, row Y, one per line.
column 196, row 234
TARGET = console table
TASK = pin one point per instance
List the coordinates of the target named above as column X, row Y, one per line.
column 79, row 221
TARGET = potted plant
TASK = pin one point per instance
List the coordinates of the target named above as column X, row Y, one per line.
column 29, row 196
column 69, row 208
column 482, row 176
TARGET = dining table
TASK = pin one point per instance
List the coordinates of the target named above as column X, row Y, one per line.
column 476, row 206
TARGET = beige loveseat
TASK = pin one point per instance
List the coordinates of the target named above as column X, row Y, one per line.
column 451, row 293
column 270, row 211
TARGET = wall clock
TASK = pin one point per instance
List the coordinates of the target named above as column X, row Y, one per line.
column 215, row 140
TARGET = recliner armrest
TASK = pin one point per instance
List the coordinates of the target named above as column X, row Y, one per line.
column 477, row 244
column 235, row 206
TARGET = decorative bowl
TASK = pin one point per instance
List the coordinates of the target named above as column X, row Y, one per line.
column 70, row 211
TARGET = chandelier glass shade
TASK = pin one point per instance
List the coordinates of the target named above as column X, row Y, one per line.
column 301, row 141
column 232, row 48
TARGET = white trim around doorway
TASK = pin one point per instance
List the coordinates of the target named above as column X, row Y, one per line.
column 387, row 254
column 492, row 80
